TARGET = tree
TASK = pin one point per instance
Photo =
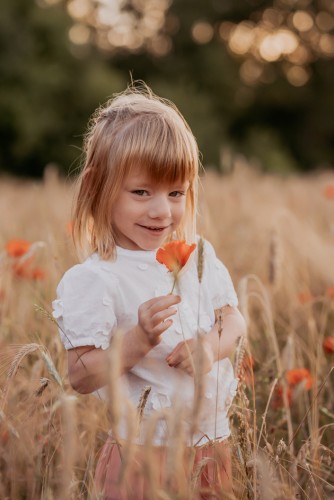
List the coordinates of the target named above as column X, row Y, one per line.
column 254, row 76
column 48, row 92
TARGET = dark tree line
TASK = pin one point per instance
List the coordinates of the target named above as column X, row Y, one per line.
column 235, row 102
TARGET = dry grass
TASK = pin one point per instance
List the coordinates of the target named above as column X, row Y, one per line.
column 276, row 237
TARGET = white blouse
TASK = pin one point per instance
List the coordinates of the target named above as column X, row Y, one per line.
column 97, row 297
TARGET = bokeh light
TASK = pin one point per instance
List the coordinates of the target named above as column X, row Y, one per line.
column 289, row 33
column 297, row 75
column 302, row 20
column 202, row 32
column 79, row 34
column 122, row 25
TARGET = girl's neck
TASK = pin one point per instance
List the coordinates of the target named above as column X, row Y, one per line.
column 127, row 251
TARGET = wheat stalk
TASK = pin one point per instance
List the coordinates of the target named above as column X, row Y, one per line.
column 142, row 401
column 239, row 355
column 200, row 259
column 20, row 355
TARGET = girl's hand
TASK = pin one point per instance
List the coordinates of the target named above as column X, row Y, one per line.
column 154, row 316
column 185, row 354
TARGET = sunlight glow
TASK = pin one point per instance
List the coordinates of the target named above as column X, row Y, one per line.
column 79, row 9
column 251, row 71
column 289, row 33
column 273, row 46
column 79, row 34
column 324, row 21
column 242, row 38
column 281, row 34
column 202, row 32
column 302, row 20
column 326, row 44
column 297, row 76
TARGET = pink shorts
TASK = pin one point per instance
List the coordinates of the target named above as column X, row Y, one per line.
column 196, row 473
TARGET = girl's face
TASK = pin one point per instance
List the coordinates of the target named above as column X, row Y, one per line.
column 146, row 213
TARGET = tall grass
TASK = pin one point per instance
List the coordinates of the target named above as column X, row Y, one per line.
column 276, row 237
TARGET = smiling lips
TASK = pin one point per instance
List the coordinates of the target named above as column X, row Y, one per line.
column 152, row 228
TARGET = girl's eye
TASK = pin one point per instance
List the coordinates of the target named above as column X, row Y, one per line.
column 140, row 192
column 176, row 194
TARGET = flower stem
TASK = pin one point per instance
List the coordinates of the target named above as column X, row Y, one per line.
column 174, row 283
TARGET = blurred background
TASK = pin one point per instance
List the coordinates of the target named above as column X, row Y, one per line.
column 252, row 77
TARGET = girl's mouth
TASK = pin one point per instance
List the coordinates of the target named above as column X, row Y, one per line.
column 155, row 229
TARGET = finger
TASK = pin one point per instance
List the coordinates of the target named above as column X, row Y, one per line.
column 160, row 303
column 186, row 366
column 160, row 328
column 175, row 358
column 149, row 323
column 163, row 315
column 181, row 356
column 181, row 351
column 177, row 349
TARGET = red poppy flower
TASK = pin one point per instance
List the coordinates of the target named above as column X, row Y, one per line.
column 305, row 297
column 328, row 345
column 278, row 401
column 328, row 191
column 174, row 255
column 23, row 269
column 17, row 248
column 330, row 292
column 297, row 375
column 37, row 274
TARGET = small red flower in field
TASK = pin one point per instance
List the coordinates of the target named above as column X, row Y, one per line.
column 37, row 274
column 328, row 345
column 328, row 191
column 330, row 292
column 175, row 254
column 305, row 297
column 278, row 401
column 21, row 258
column 298, row 375
column 17, row 248
column 23, row 269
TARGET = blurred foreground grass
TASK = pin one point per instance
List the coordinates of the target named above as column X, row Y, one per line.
column 276, row 237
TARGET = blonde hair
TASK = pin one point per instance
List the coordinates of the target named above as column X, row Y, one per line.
column 133, row 129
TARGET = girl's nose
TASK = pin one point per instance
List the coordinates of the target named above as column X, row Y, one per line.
column 160, row 207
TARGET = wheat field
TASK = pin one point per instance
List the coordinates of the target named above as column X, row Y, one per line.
column 275, row 235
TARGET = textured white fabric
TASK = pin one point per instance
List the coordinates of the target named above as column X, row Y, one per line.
column 97, row 297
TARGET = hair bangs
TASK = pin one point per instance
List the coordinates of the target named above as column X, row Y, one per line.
column 161, row 148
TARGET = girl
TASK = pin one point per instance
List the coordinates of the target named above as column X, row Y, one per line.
column 137, row 191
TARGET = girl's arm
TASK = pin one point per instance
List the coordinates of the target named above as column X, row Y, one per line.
column 214, row 347
column 88, row 365
column 233, row 326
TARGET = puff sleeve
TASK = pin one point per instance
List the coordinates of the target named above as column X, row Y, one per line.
column 83, row 309
column 219, row 280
